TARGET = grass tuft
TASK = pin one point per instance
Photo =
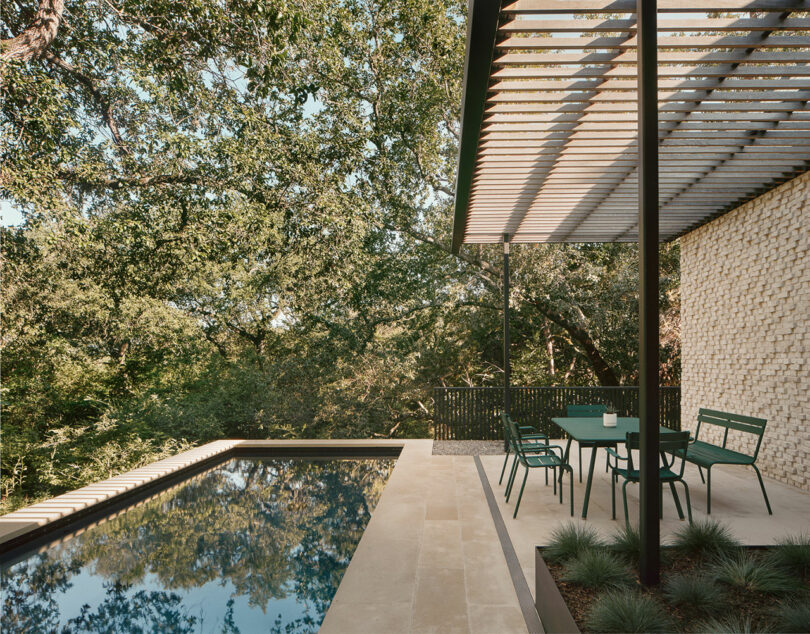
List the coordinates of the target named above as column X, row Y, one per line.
column 792, row 617
column 626, row 544
column 704, row 538
column 570, row 540
column 730, row 625
column 694, row 591
column 792, row 553
column 627, row 612
column 597, row 569
column 749, row 573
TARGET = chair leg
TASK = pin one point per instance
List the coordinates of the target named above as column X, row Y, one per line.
column 613, row 495
column 676, row 498
column 546, row 472
column 570, row 489
column 708, row 490
column 688, row 501
column 505, row 461
column 512, row 475
column 762, row 486
column 660, row 500
column 520, row 495
column 624, row 498
column 580, row 461
column 700, row 471
column 555, row 480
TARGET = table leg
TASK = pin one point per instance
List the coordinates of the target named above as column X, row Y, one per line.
column 588, row 486
column 565, row 457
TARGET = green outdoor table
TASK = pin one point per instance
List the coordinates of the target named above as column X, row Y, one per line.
column 592, row 432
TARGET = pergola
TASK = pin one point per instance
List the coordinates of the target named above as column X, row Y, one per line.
column 594, row 121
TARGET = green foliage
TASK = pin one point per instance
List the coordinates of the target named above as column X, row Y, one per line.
column 597, row 569
column 696, row 591
column 730, row 625
column 704, row 538
column 792, row 617
column 626, row 543
column 792, row 553
column 748, row 572
column 627, row 611
column 571, row 539
column 237, row 221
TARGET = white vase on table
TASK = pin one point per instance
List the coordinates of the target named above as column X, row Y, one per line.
column 609, row 419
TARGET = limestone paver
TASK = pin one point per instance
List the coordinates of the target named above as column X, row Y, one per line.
column 460, row 582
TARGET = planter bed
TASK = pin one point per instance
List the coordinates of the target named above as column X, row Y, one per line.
column 745, row 589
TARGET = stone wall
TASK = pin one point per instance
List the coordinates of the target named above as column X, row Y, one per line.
column 745, row 320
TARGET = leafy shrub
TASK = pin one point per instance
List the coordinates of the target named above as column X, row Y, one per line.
column 792, row 553
column 697, row 591
column 747, row 572
column 704, row 538
column 730, row 625
column 570, row 540
column 597, row 569
column 627, row 612
column 792, row 617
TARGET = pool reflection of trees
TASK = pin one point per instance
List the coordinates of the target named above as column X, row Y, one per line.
column 271, row 528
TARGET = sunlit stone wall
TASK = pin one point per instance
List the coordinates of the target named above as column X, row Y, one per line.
column 745, row 319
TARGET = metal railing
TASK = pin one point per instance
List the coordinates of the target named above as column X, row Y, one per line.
column 471, row 413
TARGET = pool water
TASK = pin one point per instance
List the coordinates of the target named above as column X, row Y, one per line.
column 254, row 545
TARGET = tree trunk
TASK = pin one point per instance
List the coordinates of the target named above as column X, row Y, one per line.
column 38, row 36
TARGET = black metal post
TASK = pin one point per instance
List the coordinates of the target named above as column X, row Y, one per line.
column 649, row 526
column 507, row 369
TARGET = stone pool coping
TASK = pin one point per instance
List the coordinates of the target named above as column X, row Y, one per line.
column 23, row 525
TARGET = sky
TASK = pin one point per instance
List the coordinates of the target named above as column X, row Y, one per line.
column 9, row 215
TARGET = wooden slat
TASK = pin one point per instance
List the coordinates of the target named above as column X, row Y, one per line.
column 685, row 42
column 576, row 7
column 528, row 99
column 767, row 23
column 664, row 57
column 664, row 71
column 600, row 85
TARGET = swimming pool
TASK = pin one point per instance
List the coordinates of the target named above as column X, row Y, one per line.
column 253, row 545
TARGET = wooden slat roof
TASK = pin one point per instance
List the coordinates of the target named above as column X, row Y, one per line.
column 549, row 126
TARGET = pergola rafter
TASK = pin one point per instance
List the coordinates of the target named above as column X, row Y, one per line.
column 561, row 106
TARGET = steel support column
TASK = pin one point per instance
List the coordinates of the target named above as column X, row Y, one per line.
column 649, row 526
column 507, row 365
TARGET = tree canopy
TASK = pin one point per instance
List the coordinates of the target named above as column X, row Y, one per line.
column 237, row 221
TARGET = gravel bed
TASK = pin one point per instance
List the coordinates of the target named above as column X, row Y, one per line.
column 467, row 447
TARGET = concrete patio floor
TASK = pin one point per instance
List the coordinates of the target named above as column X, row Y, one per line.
column 431, row 559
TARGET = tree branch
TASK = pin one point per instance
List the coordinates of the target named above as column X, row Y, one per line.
column 38, row 36
column 129, row 181
column 103, row 102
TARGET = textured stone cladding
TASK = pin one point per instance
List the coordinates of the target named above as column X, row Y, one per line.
column 745, row 319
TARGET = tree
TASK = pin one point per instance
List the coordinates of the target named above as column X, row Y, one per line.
column 237, row 222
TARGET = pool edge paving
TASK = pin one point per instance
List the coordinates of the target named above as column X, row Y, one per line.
column 429, row 559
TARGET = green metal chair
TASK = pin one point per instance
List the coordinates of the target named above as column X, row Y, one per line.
column 586, row 411
column 528, row 437
column 543, row 456
column 674, row 445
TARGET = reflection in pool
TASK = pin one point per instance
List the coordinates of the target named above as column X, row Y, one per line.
column 255, row 545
